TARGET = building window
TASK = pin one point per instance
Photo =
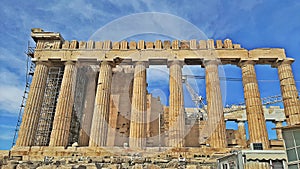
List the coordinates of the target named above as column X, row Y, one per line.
column 277, row 165
column 225, row 166
column 292, row 146
column 294, row 166
column 257, row 146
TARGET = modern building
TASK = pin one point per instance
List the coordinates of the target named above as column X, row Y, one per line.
column 291, row 136
column 263, row 159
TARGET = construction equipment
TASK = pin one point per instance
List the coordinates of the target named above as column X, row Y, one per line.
column 201, row 107
column 29, row 73
column 201, row 112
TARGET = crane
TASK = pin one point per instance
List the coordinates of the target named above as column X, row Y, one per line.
column 201, row 112
column 201, row 107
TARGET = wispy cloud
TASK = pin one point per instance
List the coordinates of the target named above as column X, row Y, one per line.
column 7, row 127
column 12, row 73
column 6, row 136
column 254, row 24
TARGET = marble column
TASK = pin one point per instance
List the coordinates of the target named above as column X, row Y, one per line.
column 101, row 110
column 176, row 105
column 216, row 122
column 242, row 134
column 64, row 107
column 254, row 109
column 86, row 122
column 278, row 131
column 289, row 92
column 137, row 135
column 33, row 106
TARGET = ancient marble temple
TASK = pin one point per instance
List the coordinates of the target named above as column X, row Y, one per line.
column 94, row 95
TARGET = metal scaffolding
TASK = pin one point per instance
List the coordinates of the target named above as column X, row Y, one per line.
column 52, row 89
column 28, row 78
column 78, row 106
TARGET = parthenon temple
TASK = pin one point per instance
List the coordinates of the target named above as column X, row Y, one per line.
column 94, row 94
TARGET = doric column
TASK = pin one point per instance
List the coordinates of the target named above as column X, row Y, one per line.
column 101, row 110
column 33, row 106
column 289, row 92
column 242, row 134
column 278, row 124
column 64, row 107
column 255, row 115
column 176, row 106
column 86, row 122
column 137, row 136
column 216, row 122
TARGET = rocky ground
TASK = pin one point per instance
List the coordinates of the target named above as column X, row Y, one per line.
column 125, row 162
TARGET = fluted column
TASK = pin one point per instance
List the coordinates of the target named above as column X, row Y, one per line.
column 64, row 107
column 33, row 106
column 242, row 134
column 137, row 136
column 216, row 122
column 86, row 122
column 176, row 106
column 255, row 115
column 289, row 92
column 101, row 110
column 278, row 124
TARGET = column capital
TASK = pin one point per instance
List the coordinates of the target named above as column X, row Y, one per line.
column 241, row 122
column 46, row 63
column 104, row 62
column 206, row 62
column 69, row 62
column 288, row 61
column 145, row 63
column 178, row 62
column 246, row 62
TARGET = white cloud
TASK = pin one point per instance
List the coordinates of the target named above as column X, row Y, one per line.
column 12, row 61
column 10, row 99
column 3, row 126
column 11, row 90
column 6, row 136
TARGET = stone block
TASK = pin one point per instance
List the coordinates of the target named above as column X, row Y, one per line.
column 116, row 45
column 98, row 45
column 141, row 44
column 193, row 44
column 66, row 45
column 228, row 44
column 74, row 44
column 107, row 45
column 158, row 44
column 82, row 45
column 175, row 44
column 10, row 165
column 124, row 45
column 149, row 45
column 210, row 44
column 90, row 44
column 167, row 44
column 219, row 44
column 132, row 45
column 184, row 44
column 191, row 167
column 236, row 46
column 202, row 44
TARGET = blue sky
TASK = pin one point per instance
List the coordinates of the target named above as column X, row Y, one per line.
column 253, row 24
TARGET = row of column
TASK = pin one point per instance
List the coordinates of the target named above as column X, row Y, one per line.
column 98, row 132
